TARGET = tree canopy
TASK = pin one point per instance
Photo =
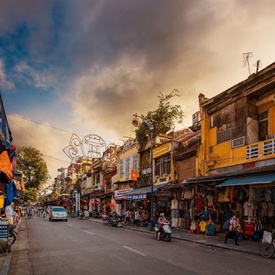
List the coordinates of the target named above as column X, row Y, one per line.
column 163, row 117
column 29, row 195
column 32, row 165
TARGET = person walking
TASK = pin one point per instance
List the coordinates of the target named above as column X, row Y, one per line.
column 127, row 217
column 137, row 217
column 233, row 229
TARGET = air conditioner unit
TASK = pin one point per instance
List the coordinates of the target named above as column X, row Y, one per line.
column 238, row 142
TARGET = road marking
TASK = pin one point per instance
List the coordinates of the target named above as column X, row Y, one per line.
column 89, row 232
column 140, row 253
column 69, row 224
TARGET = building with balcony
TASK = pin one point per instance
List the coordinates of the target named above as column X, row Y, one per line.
column 236, row 160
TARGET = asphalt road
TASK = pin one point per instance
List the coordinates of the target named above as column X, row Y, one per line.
column 81, row 247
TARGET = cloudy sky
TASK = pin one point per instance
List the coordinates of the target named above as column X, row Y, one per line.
column 86, row 66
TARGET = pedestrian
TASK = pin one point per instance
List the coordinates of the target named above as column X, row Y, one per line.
column 233, row 229
column 127, row 217
column 137, row 217
column 132, row 217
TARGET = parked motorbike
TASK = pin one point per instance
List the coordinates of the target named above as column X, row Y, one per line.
column 165, row 232
column 95, row 214
column 12, row 234
column 112, row 221
column 82, row 216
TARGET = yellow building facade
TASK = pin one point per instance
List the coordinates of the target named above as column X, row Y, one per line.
column 238, row 127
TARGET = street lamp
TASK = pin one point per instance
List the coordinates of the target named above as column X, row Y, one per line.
column 150, row 123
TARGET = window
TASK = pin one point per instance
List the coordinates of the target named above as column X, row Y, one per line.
column 120, row 168
column 163, row 165
column 135, row 162
column 263, row 125
column 127, row 172
column 224, row 133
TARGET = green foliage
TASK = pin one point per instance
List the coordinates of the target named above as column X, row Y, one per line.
column 29, row 195
column 163, row 117
column 32, row 165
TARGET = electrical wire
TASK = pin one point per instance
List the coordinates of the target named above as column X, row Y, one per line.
column 40, row 123
column 39, row 142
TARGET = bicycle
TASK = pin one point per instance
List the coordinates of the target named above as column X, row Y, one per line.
column 267, row 247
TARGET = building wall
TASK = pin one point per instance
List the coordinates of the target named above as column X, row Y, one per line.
column 186, row 168
column 230, row 132
column 123, row 155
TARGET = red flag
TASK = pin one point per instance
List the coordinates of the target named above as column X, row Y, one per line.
column 133, row 175
column 104, row 183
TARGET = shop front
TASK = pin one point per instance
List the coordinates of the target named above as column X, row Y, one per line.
column 107, row 203
column 120, row 198
column 200, row 208
column 94, row 201
column 254, row 202
column 140, row 199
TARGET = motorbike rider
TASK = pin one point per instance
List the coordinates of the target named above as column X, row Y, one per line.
column 44, row 212
column 161, row 221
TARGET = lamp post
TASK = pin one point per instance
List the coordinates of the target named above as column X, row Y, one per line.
column 150, row 123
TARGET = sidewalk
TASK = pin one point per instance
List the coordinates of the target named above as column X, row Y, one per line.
column 5, row 257
column 246, row 246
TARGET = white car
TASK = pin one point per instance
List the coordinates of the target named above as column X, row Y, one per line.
column 58, row 213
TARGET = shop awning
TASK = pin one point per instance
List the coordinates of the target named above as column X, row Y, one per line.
column 141, row 193
column 263, row 179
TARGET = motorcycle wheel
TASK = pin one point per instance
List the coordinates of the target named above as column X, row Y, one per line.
column 12, row 237
column 119, row 224
column 168, row 237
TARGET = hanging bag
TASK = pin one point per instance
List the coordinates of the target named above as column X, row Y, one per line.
column 225, row 226
column 267, row 237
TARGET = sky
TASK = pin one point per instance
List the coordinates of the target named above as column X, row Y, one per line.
column 86, row 66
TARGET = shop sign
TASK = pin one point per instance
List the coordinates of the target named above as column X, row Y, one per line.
column 136, row 197
column 122, row 192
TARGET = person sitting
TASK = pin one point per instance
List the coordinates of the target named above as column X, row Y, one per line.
column 161, row 221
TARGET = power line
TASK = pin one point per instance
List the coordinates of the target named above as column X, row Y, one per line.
column 55, row 128
column 58, row 129
column 39, row 142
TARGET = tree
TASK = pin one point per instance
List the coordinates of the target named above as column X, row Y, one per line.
column 32, row 165
column 163, row 118
column 30, row 195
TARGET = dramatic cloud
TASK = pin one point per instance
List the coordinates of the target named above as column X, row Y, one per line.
column 4, row 83
column 88, row 65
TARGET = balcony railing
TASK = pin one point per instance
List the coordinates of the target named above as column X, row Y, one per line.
column 269, row 147
column 263, row 148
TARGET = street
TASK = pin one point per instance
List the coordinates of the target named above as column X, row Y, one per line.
column 85, row 247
